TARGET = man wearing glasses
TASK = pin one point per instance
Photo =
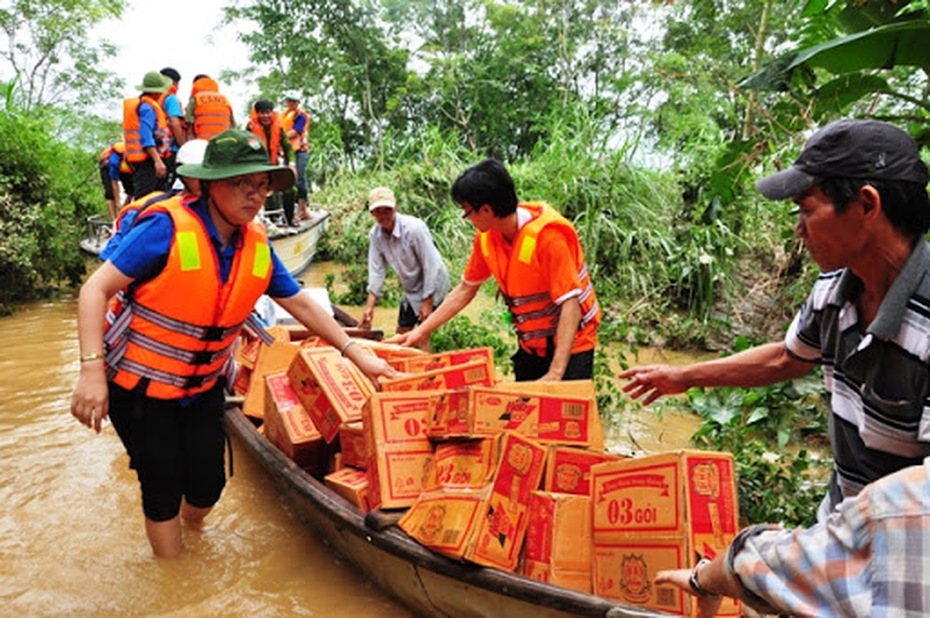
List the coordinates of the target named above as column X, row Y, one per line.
column 535, row 256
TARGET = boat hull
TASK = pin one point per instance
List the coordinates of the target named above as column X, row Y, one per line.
column 426, row 582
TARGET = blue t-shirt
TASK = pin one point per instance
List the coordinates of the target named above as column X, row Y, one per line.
column 172, row 108
column 113, row 162
column 148, row 123
column 143, row 248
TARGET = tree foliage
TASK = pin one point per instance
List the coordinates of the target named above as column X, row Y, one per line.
column 46, row 45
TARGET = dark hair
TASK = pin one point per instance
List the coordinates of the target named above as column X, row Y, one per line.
column 487, row 182
column 199, row 75
column 263, row 105
column 906, row 204
column 172, row 73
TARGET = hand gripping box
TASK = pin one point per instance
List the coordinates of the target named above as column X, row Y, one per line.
column 475, row 373
column 398, row 449
column 332, row 389
column 483, row 411
column 558, row 542
column 441, row 360
column 289, row 427
column 662, row 511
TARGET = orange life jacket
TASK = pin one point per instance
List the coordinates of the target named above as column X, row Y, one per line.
column 535, row 315
column 272, row 139
column 288, row 117
column 178, row 329
column 131, row 137
column 120, row 149
column 161, row 101
column 212, row 114
column 139, row 204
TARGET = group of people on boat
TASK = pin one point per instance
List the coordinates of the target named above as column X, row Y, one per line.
column 155, row 127
column 157, row 323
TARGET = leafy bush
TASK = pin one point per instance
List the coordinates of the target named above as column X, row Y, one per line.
column 47, row 189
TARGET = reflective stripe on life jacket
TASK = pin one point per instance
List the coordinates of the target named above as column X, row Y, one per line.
column 288, row 117
column 131, row 125
column 178, row 329
column 212, row 114
column 535, row 314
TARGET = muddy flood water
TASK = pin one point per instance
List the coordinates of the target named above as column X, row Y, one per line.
column 71, row 536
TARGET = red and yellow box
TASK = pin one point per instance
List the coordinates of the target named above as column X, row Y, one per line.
column 288, row 426
column 333, row 390
column 398, row 450
column 558, row 542
column 568, row 469
column 564, row 388
column 501, row 529
column 353, row 445
column 482, row 411
column 657, row 512
column 351, row 484
column 467, row 464
column 440, row 360
column 445, row 519
column 269, row 359
column 477, row 373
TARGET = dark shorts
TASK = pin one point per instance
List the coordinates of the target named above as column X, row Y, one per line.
column 406, row 316
column 528, row 366
column 105, row 179
column 144, row 180
column 176, row 451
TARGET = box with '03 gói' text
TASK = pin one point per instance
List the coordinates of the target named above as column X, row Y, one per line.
column 656, row 512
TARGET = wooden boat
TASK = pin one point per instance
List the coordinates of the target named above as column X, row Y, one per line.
column 428, row 583
column 296, row 245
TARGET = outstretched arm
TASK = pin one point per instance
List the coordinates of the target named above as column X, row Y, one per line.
column 759, row 366
column 457, row 300
column 312, row 315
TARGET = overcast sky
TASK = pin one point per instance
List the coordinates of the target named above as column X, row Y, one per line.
column 180, row 34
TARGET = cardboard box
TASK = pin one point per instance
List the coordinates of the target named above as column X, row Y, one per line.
column 353, row 444
column 475, row 373
column 565, row 388
column 444, row 520
column 288, row 426
column 241, row 380
column 247, row 351
column 390, row 351
column 273, row 358
column 662, row 511
column 332, row 390
column 398, row 450
column 482, row 411
column 558, row 540
column 351, row 484
column 440, row 360
column 568, row 469
column 468, row 464
column 501, row 528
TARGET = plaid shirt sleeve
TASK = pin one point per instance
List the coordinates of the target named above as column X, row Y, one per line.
column 869, row 558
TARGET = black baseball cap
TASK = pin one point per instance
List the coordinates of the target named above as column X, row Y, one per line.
column 849, row 148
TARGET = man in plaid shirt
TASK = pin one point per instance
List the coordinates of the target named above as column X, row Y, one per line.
column 869, row 558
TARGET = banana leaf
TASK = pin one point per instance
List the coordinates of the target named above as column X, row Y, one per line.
column 899, row 44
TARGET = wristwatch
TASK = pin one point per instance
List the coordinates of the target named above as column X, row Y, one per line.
column 696, row 586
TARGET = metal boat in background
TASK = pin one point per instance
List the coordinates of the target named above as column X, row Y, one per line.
column 295, row 245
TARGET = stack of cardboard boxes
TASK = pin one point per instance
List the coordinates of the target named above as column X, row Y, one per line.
column 507, row 475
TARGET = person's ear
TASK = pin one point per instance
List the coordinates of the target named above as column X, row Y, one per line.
column 870, row 199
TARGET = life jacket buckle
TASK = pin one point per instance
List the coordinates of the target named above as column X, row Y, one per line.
column 214, row 333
